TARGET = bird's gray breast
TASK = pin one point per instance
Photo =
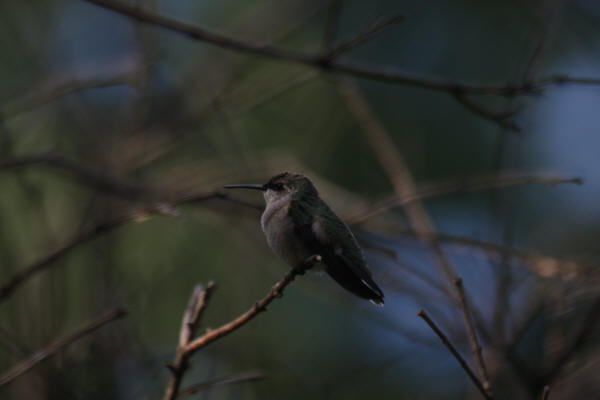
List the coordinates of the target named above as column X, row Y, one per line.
column 281, row 236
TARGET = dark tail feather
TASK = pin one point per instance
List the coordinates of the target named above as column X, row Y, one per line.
column 363, row 287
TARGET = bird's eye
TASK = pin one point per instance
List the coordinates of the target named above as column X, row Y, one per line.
column 277, row 187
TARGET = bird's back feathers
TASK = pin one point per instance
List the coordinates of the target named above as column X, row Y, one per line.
column 324, row 233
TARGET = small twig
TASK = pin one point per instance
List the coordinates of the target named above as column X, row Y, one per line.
column 475, row 346
column 225, row 380
column 54, row 347
column 188, row 346
column 365, row 34
column 423, row 314
column 560, row 79
column 503, row 119
column 191, row 317
column 261, row 305
column 546, row 392
column 189, row 324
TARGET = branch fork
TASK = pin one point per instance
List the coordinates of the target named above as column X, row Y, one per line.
column 187, row 345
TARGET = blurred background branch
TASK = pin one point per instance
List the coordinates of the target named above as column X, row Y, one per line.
column 107, row 121
column 59, row 344
column 423, row 314
column 137, row 214
column 404, row 186
column 330, row 63
column 42, row 96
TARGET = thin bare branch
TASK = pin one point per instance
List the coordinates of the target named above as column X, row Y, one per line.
column 475, row 346
column 380, row 73
column 423, row 314
column 127, row 190
column 224, row 380
column 130, row 190
column 544, row 265
column 367, row 33
column 503, row 119
column 191, row 319
column 8, row 288
column 260, row 305
column 560, row 79
column 455, row 186
column 104, row 227
column 404, row 186
column 54, row 347
column 188, row 346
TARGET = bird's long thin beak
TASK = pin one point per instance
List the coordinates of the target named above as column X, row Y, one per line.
column 246, row 186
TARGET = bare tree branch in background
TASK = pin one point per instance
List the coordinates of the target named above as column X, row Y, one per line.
column 88, row 234
column 543, row 265
column 334, row 65
column 365, row 34
column 475, row 346
column 457, row 186
column 188, row 345
column 54, row 347
column 503, row 119
column 403, row 183
column 42, row 96
column 423, row 314
column 156, row 202
column 138, row 191
column 510, row 328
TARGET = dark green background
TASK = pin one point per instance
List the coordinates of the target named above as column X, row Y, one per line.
column 197, row 117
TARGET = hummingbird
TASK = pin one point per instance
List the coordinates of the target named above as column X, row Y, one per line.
column 298, row 224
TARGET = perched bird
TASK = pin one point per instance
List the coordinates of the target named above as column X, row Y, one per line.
column 298, row 224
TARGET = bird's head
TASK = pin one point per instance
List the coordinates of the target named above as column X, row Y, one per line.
column 282, row 185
